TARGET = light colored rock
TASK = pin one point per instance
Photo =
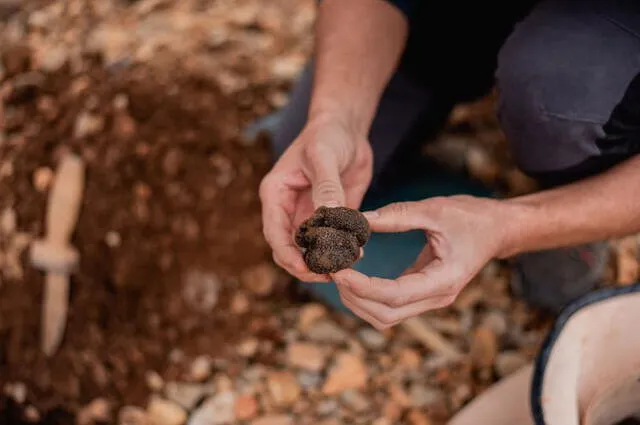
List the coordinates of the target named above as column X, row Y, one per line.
column 484, row 347
column 309, row 380
column 42, row 179
column 239, row 303
column 32, row 415
column 283, row 387
column 99, row 410
column 327, row 407
column 186, row 394
column 201, row 290
column 309, row 315
column 306, row 356
column 113, row 239
column 274, row 420
column 416, row 417
column 259, row 280
column 165, row 412
column 349, row 372
column 372, row 339
column 246, row 407
column 326, row 331
column 17, row 391
column 200, row 368
column 54, row 58
column 496, row 321
column 87, row 125
column 248, row 347
column 216, row 410
column 423, row 396
column 355, row 401
column 8, row 221
column 133, row 415
column 509, row 362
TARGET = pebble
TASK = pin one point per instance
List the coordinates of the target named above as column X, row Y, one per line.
column 239, row 303
column 259, row 280
column 201, row 290
column 484, row 347
column 355, row 400
column 246, row 408
column 17, row 391
column 496, row 321
column 165, row 412
column 372, row 339
column 216, row 410
column 416, row 417
column 88, row 124
column 306, row 356
column 53, row 59
column 423, row 396
column 133, row 415
column 42, row 179
column 172, row 162
column 283, row 387
column 8, row 221
column 274, row 420
column 113, row 239
column 309, row 315
column 200, row 368
column 509, row 362
column 309, row 380
column 186, row 394
column 31, row 414
column 248, row 347
column 99, row 410
column 327, row 407
column 327, row 331
column 392, row 411
column 349, row 372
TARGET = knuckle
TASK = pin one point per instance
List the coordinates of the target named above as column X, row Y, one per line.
column 326, row 188
column 399, row 209
column 398, row 300
column 387, row 316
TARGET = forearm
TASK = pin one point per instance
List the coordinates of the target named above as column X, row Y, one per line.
column 599, row 208
column 358, row 46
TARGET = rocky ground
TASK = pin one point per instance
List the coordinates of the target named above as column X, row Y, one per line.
column 176, row 312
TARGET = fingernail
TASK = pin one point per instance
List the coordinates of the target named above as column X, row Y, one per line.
column 331, row 204
column 371, row 215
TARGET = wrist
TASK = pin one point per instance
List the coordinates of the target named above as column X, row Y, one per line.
column 328, row 112
column 518, row 224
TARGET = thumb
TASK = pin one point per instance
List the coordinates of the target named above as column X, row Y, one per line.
column 326, row 185
column 396, row 217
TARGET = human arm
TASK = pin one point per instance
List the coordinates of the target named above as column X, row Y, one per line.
column 466, row 232
column 358, row 45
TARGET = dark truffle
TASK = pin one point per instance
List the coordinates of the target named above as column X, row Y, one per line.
column 332, row 238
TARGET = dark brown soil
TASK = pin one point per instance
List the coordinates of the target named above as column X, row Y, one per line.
column 332, row 238
column 169, row 190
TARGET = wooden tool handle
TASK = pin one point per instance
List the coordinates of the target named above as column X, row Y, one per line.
column 65, row 199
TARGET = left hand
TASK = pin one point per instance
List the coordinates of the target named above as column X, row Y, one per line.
column 464, row 233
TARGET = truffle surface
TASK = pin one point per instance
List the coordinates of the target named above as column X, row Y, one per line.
column 332, row 238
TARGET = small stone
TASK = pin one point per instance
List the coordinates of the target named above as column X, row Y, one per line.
column 112, row 239
column 201, row 290
column 484, row 347
column 259, row 280
column 200, row 368
column 306, row 356
column 496, row 321
column 42, row 179
column 460, row 396
column 239, row 303
column 216, row 410
column 172, row 162
column 327, row 331
column 422, row 396
column 53, row 59
column 327, row 407
column 283, row 387
column 98, row 411
column 392, row 411
column 509, row 362
column 349, row 372
column 309, row 315
column 246, row 408
column 416, row 417
column 398, row 395
column 185, row 394
column 120, row 102
column 8, row 221
column 223, row 383
column 88, row 125
column 31, row 414
column 309, row 380
column 274, row 420
column 372, row 339
column 355, row 401
column 133, row 415
column 409, row 359
column 124, row 126
column 248, row 347
column 17, row 391
column 164, row 412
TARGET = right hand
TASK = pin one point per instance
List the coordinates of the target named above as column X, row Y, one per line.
column 327, row 165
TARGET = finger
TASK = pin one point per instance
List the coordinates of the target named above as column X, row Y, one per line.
column 306, row 276
column 388, row 316
column 425, row 257
column 326, row 183
column 431, row 281
column 348, row 302
column 397, row 217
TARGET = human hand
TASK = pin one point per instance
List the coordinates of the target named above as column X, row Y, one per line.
column 327, row 165
column 463, row 232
